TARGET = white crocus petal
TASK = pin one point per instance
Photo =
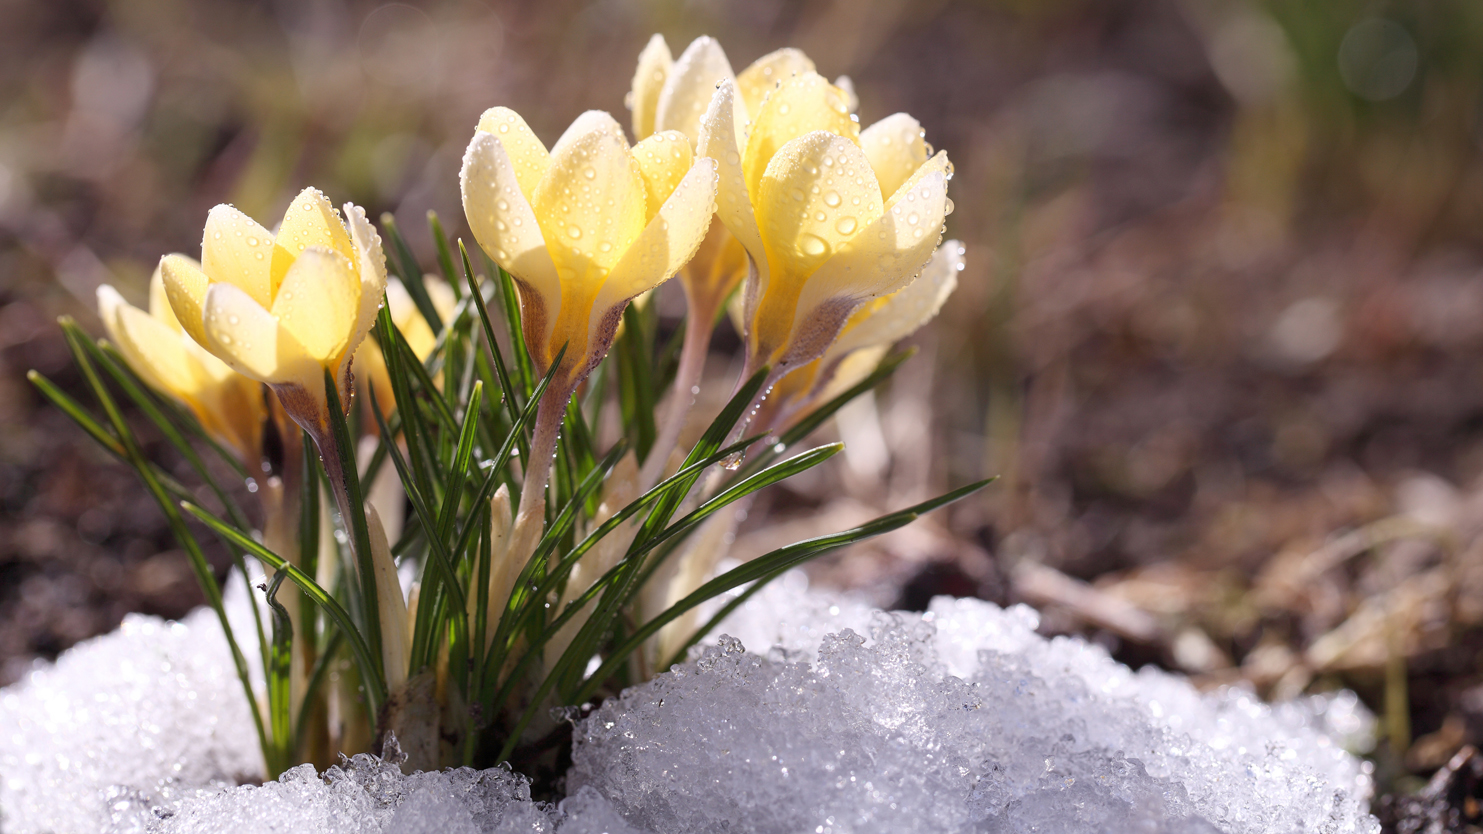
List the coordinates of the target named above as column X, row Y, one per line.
column 887, row 254
column 371, row 263
column 251, row 340
column 666, row 243
column 719, row 141
column 237, row 250
column 648, row 80
column 895, row 148
column 902, row 313
column 504, row 224
column 319, row 302
column 688, row 89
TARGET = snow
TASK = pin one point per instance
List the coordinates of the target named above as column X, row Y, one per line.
column 122, row 724
column 959, row 719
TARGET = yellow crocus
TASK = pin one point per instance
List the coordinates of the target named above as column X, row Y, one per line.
column 228, row 405
column 283, row 308
column 830, row 216
column 673, row 94
column 583, row 227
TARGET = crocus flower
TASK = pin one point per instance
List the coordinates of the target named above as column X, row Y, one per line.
column 228, row 406
column 831, row 216
column 283, row 308
column 673, row 95
column 583, row 227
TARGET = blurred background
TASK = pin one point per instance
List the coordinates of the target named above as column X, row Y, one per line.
column 1219, row 331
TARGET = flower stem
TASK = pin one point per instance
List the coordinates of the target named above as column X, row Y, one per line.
column 699, row 325
column 531, row 517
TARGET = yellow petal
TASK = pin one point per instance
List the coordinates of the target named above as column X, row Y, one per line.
column 248, row 338
column 505, row 225
column 152, row 349
column 442, row 296
column 238, row 251
column 159, row 302
column 648, row 79
column 667, row 242
column 896, row 150
column 663, row 159
column 319, row 302
column 889, row 253
column 528, row 157
column 590, row 205
column 688, row 89
column 591, row 121
column 718, row 140
column 767, row 72
column 801, row 104
column 309, row 221
column 185, row 288
column 408, row 319
column 891, row 318
column 370, row 264
column 817, row 193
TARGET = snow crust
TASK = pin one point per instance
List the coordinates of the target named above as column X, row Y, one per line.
column 133, row 721
column 961, row 719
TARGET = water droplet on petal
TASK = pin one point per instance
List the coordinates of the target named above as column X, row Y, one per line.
column 845, row 225
column 812, row 244
column 233, row 320
column 575, row 232
column 831, row 199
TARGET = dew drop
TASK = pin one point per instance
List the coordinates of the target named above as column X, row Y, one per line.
column 233, row 320
column 948, row 206
column 732, row 158
column 574, row 232
column 589, row 173
column 832, row 199
column 821, row 216
column 783, row 109
column 216, row 235
column 845, row 225
column 504, row 128
column 813, row 244
column 251, row 241
column 502, row 204
column 798, row 194
column 912, row 219
column 605, row 246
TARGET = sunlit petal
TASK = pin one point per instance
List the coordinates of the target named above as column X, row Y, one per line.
column 688, row 89
column 239, row 251
column 663, row 160
column 648, row 80
column 767, row 72
column 310, row 221
column 896, row 150
column 185, row 288
column 528, row 157
column 319, row 302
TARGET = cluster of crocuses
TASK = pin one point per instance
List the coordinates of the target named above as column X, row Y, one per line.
column 824, row 246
